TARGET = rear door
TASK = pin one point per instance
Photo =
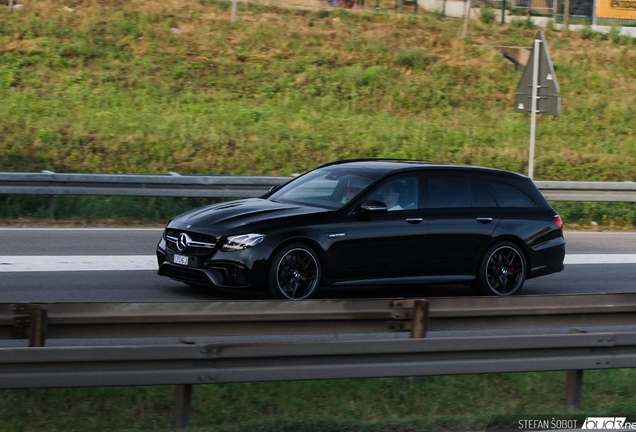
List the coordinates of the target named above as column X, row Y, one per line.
column 462, row 215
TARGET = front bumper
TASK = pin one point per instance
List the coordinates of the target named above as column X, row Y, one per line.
column 237, row 270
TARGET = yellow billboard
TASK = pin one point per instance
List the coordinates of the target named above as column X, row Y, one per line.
column 625, row 9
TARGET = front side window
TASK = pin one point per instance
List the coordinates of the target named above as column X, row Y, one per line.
column 398, row 194
column 327, row 188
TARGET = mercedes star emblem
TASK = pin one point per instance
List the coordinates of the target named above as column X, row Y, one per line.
column 183, row 242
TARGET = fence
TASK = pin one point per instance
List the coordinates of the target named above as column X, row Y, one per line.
column 581, row 12
column 188, row 364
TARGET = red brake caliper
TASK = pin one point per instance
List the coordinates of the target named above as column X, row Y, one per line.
column 303, row 265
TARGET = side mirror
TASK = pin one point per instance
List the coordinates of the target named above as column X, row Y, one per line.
column 373, row 207
column 273, row 188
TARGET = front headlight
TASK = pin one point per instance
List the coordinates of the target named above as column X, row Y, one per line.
column 243, row 241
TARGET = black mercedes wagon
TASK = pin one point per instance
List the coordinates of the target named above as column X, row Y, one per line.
column 367, row 222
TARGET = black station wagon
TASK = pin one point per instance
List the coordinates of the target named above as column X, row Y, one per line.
column 368, row 222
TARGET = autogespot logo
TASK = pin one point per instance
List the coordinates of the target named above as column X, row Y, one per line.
column 607, row 423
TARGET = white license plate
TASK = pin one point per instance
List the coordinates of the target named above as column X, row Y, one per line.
column 180, row 259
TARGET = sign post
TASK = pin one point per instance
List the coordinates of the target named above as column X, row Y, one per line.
column 539, row 85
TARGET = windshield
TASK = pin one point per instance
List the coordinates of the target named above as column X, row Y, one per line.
column 330, row 188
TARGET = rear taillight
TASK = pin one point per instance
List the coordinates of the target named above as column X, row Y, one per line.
column 557, row 221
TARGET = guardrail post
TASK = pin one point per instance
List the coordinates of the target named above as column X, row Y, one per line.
column 420, row 319
column 573, row 385
column 419, row 325
column 182, row 405
column 37, row 327
column 51, row 206
column 573, row 390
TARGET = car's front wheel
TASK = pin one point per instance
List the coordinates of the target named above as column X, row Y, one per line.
column 502, row 270
column 294, row 273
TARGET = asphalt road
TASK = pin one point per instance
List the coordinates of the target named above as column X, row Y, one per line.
column 108, row 246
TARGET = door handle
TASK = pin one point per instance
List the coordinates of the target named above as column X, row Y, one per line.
column 484, row 220
column 414, row 220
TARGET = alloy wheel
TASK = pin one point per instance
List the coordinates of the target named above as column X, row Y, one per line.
column 505, row 271
column 297, row 274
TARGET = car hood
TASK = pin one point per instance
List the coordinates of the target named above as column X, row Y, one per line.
column 225, row 217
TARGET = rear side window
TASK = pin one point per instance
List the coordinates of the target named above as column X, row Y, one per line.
column 510, row 196
column 449, row 191
column 481, row 196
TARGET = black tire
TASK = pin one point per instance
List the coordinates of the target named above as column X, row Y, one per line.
column 502, row 270
column 294, row 273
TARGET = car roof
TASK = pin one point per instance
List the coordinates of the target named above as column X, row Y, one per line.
column 385, row 166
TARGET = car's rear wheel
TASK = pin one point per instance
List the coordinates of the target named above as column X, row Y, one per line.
column 294, row 273
column 502, row 270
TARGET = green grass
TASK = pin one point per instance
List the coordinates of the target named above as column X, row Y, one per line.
column 438, row 403
column 108, row 88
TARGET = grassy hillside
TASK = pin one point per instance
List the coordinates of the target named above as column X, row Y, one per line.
column 108, row 88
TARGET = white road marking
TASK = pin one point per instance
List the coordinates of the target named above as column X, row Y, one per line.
column 600, row 259
column 77, row 263
column 81, row 229
column 149, row 262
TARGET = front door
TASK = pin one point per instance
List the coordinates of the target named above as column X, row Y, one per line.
column 390, row 245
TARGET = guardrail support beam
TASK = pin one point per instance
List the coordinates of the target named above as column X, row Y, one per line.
column 182, row 405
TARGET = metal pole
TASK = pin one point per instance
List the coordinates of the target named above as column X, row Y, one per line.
column 234, row 10
column 182, row 405
column 566, row 16
column 415, row 6
column 466, row 18
column 503, row 12
column 533, row 119
column 594, row 18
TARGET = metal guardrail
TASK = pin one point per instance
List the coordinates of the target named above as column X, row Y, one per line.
column 587, row 191
column 225, row 186
column 234, row 363
column 113, row 320
column 185, row 365
column 216, row 186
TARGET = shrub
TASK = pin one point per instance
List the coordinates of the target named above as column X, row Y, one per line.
column 486, row 15
column 413, row 58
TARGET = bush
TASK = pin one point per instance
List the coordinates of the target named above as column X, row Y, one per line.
column 486, row 15
column 412, row 58
column 523, row 24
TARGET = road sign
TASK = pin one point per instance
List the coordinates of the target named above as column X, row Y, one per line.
column 538, row 90
column 549, row 101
